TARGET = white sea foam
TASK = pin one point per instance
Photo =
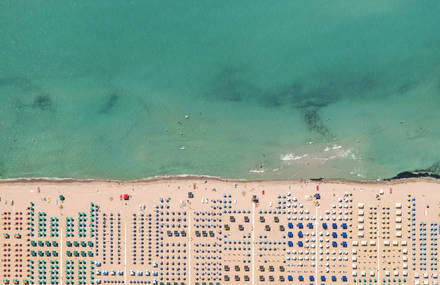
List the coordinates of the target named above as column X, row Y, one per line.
column 328, row 153
column 336, row 147
column 292, row 156
column 256, row 171
column 346, row 153
column 357, row 172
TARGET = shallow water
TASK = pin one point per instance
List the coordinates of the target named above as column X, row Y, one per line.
column 291, row 89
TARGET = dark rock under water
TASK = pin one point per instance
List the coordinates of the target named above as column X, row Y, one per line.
column 232, row 84
column 109, row 103
column 433, row 171
column 271, row 100
column 42, row 102
column 409, row 174
column 315, row 123
column 317, row 97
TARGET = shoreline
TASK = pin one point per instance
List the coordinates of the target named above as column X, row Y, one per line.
column 184, row 177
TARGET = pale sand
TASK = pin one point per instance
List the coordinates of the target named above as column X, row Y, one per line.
column 203, row 259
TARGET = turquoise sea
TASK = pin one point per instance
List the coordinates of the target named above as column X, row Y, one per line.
column 240, row 89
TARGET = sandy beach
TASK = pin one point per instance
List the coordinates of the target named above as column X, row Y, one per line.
column 193, row 230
